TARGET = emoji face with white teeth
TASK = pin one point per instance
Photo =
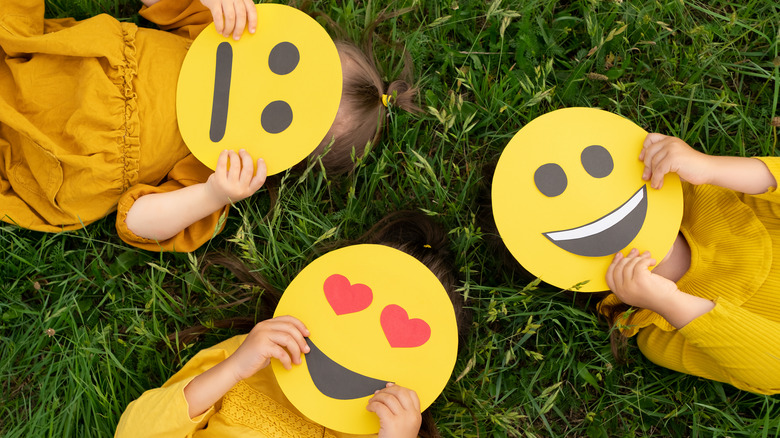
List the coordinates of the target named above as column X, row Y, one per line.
column 375, row 315
column 274, row 93
column 568, row 194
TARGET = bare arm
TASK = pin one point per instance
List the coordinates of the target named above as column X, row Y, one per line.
column 745, row 175
column 160, row 216
column 663, row 154
column 148, row 3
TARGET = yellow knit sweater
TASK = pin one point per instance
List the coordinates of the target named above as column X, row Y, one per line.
column 254, row 408
column 735, row 261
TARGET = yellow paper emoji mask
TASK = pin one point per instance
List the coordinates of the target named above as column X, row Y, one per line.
column 274, row 93
column 376, row 315
column 568, row 194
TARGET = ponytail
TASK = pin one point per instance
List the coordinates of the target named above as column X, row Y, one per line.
column 363, row 111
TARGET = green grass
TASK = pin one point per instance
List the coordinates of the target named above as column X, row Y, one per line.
column 84, row 318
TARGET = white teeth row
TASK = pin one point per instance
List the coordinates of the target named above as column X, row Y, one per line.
column 601, row 224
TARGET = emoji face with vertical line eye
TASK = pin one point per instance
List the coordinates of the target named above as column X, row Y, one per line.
column 568, row 194
column 274, row 93
column 375, row 315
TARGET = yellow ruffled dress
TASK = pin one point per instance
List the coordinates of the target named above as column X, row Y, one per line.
column 88, row 118
column 735, row 261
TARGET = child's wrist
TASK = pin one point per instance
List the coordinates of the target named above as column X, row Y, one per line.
column 215, row 196
column 713, row 165
column 232, row 369
column 667, row 302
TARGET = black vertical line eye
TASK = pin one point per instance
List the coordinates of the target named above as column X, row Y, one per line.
column 219, row 105
column 284, row 57
column 597, row 161
column 550, row 179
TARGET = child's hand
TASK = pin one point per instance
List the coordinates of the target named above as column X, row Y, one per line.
column 629, row 278
column 398, row 409
column 281, row 337
column 236, row 183
column 663, row 154
column 231, row 16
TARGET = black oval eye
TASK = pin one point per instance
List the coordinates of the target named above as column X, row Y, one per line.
column 276, row 117
column 283, row 59
column 550, row 179
column 597, row 161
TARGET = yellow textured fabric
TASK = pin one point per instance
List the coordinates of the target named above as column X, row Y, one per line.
column 735, row 261
column 256, row 407
column 88, row 118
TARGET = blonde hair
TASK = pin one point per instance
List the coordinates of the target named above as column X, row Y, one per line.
column 362, row 113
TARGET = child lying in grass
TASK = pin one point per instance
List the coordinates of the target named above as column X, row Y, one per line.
column 710, row 307
column 230, row 390
column 88, row 123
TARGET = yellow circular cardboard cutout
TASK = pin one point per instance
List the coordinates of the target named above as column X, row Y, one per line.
column 568, row 194
column 375, row 315
column 274, row 93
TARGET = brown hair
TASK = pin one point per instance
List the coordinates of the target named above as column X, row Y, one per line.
column 362, row 112
column 614, row 314
column 409, row 231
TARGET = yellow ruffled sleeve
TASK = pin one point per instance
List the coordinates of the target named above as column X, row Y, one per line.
column 728, row 344
column 164, row 412
column 187, row 172
column 772, row 194
column 185, row 18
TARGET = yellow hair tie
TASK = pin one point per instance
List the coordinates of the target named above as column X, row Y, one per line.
column 427, row 246
column 385, row 99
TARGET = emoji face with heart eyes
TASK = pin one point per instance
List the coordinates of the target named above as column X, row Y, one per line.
column 274, row 93
column 568, row 194
column 375, row 315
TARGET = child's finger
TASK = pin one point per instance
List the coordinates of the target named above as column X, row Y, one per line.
column 653, row 138
column 229, row 12
column 407, row 397
column 287, row 340
column 379, row 409
column 388, row 400
column 648, row 145
column 240, row 13
column 660, row 168
column 629, row 270
column 222, row 162
column 415, row 400
column 234, row 162
column 648, row 154
column 296, row 322
column 281, row 354
column 654, row 155
column 247, row 167
column 251, row 15
column 294, row 332
column 260, row 176
column 216, row 15
column 610, row 276
column 645, row 262
column 618, row 270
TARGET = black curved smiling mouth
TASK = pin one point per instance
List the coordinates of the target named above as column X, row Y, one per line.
column 335, row 381
column 608, row 234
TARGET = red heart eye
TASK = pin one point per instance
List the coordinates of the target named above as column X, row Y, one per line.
column 400, row 330
column 345, row 297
